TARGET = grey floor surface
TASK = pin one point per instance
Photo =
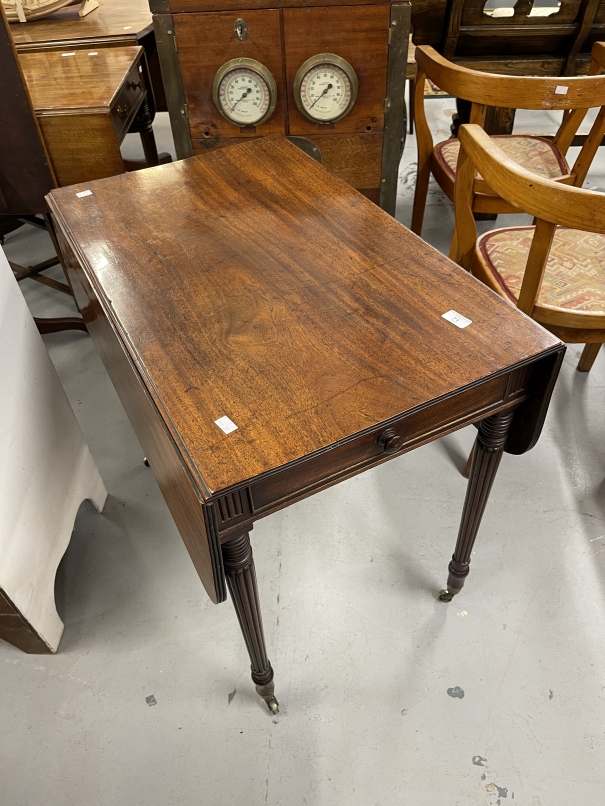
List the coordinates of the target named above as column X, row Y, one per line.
column 387, row 695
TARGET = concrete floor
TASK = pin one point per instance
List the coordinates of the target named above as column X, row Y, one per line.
column 387, row 695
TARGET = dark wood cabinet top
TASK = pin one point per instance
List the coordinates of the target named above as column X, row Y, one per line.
column 114, row 19
column 251, row 284
column 244, row 5
column 82, row 80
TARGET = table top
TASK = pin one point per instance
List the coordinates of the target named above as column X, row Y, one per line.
column 114, row 19
column 251, row 284
column 81, row 79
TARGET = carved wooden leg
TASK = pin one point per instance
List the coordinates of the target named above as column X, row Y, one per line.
column 486, row 458
column 241, row 579
column 144, row 121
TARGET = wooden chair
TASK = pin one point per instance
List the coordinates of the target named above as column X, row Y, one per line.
column 553, row 271
column 544, row 156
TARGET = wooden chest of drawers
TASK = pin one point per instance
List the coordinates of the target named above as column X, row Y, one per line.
column 196, row 38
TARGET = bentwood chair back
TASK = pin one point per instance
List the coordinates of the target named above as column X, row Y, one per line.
column 554, row 271
column 543, row 156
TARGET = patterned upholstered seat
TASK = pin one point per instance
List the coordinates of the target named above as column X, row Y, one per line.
column 575, row 273
column 534, row 153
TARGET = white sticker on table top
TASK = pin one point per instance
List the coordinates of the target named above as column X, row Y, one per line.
column 71, row 53
column 127, row 27
column 226, row 425
column 560, row 90
column 83, row 193
column 457, row 319
column 94, row 53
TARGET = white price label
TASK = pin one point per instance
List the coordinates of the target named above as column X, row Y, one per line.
column 83, row 193
column 560, row 90
column 457, row 319
column 226, row 425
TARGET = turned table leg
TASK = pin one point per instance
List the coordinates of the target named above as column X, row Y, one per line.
column 144, row 125
column 486, row 458
column 241, row 580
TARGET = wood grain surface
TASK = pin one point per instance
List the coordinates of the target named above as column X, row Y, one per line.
column 16, row 630
column 128, row 20
column 81, row 82
column 245, row 5
column 177, row 486
column 356, row 158
column 81, row 146
column 84, row 104
column 249, row 283
column 205, row 43
column 359, row 35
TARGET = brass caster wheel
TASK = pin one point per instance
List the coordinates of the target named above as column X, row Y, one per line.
column 447, row 594
column 272, row 704
column 146, row 461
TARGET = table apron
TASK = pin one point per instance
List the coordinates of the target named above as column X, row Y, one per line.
column 236, row 510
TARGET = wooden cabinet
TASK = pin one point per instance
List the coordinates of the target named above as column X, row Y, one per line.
column 207, row 41
column 85, row 102
column 196, row 37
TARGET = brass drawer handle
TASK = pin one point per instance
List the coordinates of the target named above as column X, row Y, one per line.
column 390, row 440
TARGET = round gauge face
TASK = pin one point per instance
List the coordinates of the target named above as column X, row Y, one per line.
column 326, row 88
column 244, row 92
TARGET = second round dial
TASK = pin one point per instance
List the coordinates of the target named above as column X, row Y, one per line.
column 325, row 88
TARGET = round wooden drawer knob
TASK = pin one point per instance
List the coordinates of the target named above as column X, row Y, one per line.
column 390, row 440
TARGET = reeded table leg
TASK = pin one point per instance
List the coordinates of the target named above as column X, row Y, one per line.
column 486, row 458
column 241, row 579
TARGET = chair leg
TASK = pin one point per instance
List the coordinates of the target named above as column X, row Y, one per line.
column 412, row 86
column 587, row 359
column 422, row 188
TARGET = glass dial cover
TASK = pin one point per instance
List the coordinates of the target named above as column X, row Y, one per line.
column 244, row 92
column 325, row 88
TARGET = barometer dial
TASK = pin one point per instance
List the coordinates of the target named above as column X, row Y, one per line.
column 325, row 88
column 244, row 92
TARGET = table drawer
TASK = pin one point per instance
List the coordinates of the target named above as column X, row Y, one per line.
column 347, row 459
column 128, row 100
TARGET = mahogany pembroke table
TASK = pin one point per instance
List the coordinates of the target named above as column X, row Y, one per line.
column 272, row 332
